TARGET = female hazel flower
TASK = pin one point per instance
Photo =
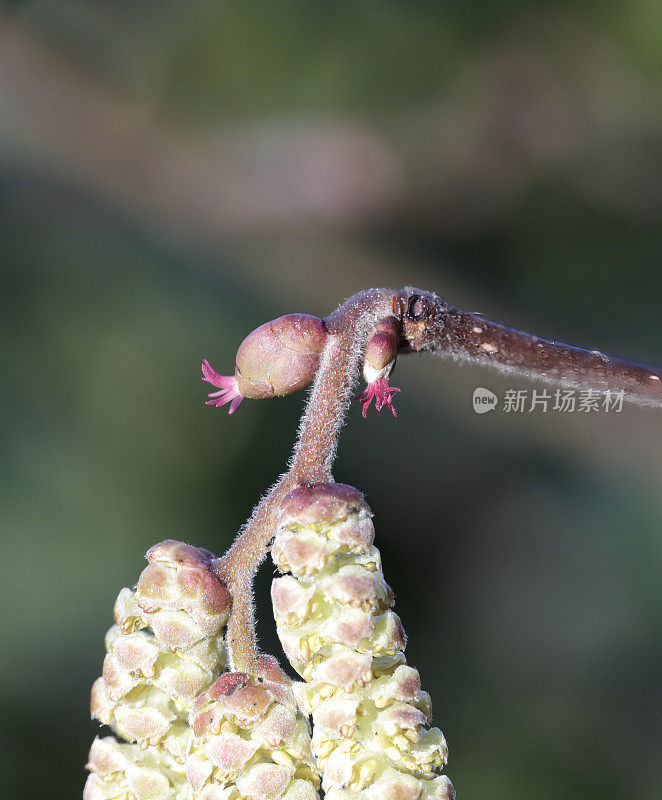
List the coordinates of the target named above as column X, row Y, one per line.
column 378, row 362
column 282, row 356
column 278, row 358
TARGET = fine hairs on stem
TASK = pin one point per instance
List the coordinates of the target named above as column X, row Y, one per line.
column 315, row 449
column 426, row 322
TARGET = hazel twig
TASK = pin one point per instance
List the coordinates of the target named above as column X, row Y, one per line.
column 424, row 322
column 433, row 324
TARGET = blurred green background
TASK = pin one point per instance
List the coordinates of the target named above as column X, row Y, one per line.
column 172, row 175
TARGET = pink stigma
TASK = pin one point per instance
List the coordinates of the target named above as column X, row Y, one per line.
column 228, row 385
column 381, row 391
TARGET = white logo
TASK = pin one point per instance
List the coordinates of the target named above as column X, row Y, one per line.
column 484, row 400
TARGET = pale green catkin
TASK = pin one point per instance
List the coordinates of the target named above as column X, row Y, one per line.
column 192, row 732
column 370, row 717
column 164, row 650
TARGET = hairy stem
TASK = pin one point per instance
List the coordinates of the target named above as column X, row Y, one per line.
column 311, row 463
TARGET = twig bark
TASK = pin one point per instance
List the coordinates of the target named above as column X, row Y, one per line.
column 449, row 331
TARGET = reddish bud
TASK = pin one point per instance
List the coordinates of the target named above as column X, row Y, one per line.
column 378, row 361
column 278, row 358
column 381, row 348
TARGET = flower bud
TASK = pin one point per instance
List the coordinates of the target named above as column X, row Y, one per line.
column 378, row 361
column 334, row 619
column 278, row 358
column 250, row 740
column 381, row 349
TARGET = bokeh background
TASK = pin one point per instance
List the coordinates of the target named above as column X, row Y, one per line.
column 174, row 174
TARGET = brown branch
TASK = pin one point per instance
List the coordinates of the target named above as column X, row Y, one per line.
column 442, row 328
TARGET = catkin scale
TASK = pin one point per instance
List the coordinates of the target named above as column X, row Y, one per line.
column 280, row 357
